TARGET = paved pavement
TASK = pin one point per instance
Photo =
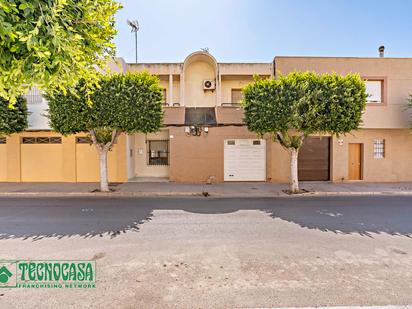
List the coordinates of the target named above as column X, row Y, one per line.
column 195, row 252
column 241, row 189
column 360, row 307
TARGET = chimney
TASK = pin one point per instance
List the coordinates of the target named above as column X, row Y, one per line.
column 381, row 51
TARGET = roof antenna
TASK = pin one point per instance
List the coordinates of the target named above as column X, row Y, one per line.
column 134, row 25
column 205, row 49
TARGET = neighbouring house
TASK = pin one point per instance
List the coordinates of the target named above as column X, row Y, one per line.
column 204, row 137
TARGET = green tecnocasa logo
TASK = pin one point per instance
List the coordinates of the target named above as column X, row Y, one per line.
column 5, row 274
column 48, row 274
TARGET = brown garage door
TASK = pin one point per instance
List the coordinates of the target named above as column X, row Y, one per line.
column 314, row 158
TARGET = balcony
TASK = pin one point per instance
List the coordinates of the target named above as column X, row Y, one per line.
column 173, row 115
column 229, row 114
column 226, row 114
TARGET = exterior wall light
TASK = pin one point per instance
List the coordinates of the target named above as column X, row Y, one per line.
column 195, row 130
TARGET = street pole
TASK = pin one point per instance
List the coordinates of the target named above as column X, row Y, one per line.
column 135, row 40
column 134, row 25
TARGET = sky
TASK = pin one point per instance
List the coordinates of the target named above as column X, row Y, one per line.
column 258, row 30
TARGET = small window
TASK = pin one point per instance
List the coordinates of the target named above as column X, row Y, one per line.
column 28, row 140
column 55, row 140
column 256, row 142
column 83, row 140
column 379, row 149
column 374, row 91
column 158, row 152
column 231, row 143
column 237, row 96
column 41, row 140
column 2, row 140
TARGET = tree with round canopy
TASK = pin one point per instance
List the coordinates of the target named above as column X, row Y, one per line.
column 291, row 107
column 123, row 103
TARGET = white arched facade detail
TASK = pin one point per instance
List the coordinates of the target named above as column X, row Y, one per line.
column 197, row 67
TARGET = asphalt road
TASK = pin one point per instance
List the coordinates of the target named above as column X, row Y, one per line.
column 216, row 253
column 91, row 216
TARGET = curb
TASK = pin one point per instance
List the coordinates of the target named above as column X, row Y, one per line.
column 102, row 194
column 199, row 194
column 369, row 193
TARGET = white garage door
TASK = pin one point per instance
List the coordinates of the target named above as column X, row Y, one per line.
column 245, row 160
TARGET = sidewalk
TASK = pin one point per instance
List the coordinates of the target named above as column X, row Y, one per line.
column 242, row 189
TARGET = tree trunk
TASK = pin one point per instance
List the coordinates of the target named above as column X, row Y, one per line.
column 103, row 150
column 294, row 184
column 104, row 183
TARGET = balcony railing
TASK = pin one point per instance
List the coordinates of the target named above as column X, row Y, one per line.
column 225, row 104
column 34, row 96
column 171, row 104
column 230, row 104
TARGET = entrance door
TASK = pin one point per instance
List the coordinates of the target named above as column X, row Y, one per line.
column 355, row 161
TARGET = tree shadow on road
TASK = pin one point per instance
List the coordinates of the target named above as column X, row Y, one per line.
column 39, row 218
column 363, row 215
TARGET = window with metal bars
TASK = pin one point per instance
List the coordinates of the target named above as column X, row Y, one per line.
column 83, row 140
column 41, row 140
column 86, row 140
column 158, row 152
column 379, row 149
column 55, row 140
column 2, row 140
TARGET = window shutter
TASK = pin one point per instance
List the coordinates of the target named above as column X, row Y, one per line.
column 237, row 95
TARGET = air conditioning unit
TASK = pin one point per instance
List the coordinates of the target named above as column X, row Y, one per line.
column 209, row 84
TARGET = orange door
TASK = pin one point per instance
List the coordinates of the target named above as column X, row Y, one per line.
column 355, row 161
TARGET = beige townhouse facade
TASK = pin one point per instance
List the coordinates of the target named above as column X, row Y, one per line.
column 204, row 138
